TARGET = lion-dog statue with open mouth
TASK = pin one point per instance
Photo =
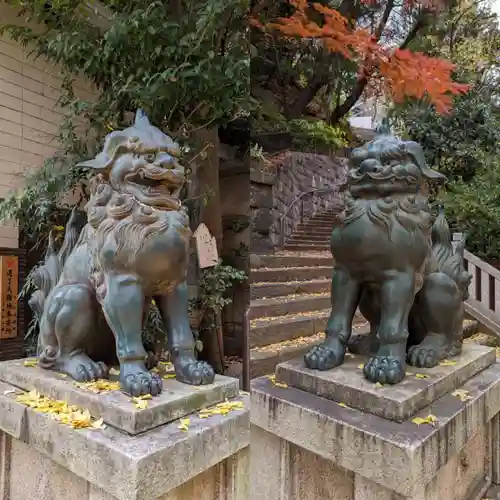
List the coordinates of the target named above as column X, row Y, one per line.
column 395, row 264
column 93, row 295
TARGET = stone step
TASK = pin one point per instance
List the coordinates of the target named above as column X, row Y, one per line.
column 273, row 330
column 276, row 261
column 266, row 331
column 306, row 247
column 324, row 231
column 263, row 360
column 310, row 235
column 324, row 226
column 285, row 274
column 280, row 306
column 322, row 218
column 307, row 241
column 262, row 290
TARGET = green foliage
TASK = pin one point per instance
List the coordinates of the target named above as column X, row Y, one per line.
column 214, row 286
column 474, row 208
column 308, row 134
column 457, row 143
column 185, row 69
column 317, row 134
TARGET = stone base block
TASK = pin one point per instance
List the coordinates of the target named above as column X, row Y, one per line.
column 306, row 447
column 44, row 459
column 176, row 400
column 420, row 387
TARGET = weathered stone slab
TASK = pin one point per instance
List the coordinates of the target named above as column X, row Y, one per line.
column 402, row 457
column 143, row 467
column 116, row 408
column 346, row 384
column 12, row 414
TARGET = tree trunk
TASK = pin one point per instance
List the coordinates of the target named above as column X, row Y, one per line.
column 207, row 190
column 206, row 178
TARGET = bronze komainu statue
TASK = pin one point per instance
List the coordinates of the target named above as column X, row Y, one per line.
column 93, row 295
column 392, row 262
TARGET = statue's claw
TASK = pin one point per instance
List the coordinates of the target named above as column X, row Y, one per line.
column 190, row 371
column 137, row 381
column 324, row 357
column 83, row 369
column 385, row 369
column 423, row 357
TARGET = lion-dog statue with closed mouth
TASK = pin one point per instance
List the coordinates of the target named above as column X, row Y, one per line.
column 93, row 295
column 395, row 264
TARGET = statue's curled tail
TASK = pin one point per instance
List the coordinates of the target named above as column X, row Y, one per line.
column 447, row 258
column 46, row 276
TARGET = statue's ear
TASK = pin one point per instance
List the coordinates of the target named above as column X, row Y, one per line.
column 100, row 162
column 416, row 153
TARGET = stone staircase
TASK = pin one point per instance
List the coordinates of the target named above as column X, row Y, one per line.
column 314, row 234
column 290, row 297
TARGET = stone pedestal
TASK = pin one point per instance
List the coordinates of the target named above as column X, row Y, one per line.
column 336, row 436
column 141, row 454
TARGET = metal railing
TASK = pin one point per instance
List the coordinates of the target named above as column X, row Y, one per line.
column 306, row 210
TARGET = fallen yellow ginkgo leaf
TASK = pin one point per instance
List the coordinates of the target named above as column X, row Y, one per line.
column 184, row 424
column 167, row 365
column 378, row 385
column 60, row 410
column 272, row 378
column 430, row 419
column 462, row 394
column 30, row 362
column 447, row 362
column 141, row 402
column 361, row 366
column 99, row 386
column 168, row 376
column 221, row 409
column 421, row 375
column 343, row 405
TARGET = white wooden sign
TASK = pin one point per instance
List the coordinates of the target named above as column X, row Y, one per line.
column 206, row 247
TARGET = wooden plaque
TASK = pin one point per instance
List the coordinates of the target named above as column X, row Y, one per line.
column 9, row 290
column 206, row 247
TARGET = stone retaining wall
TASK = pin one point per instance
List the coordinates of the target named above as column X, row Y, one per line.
column 275, row 184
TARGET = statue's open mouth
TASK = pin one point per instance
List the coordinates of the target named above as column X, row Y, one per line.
column 156, row 185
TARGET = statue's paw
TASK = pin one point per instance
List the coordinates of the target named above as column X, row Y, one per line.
column 322, row 357
column 385, row 369
column 137, row 381
column 423, row 357
column 86, row 371
column 193, row 372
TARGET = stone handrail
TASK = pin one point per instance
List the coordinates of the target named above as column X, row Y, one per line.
column 287, row 226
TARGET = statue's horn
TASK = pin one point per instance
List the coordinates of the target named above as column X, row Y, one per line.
column 141, row 119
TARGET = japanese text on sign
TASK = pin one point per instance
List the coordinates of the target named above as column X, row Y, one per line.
column 9, row 268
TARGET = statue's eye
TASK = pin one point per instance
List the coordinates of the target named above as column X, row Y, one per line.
column 150, row 158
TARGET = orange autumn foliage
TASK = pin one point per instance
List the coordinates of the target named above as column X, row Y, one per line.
column 400, row 73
